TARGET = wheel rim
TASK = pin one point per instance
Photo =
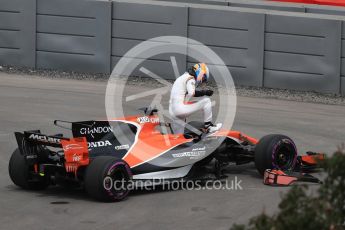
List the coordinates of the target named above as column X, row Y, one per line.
column 118, row 177
column 284, row 155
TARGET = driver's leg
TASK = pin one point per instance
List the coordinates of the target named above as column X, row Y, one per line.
column 177, row 122
column 185, row 110
column 204, row 104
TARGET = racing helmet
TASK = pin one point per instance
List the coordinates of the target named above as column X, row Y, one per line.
column 200, row 72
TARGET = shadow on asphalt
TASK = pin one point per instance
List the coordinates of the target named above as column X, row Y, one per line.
column 64, row 194
column 245, row 169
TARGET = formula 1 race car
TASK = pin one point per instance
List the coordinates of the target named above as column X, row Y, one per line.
column 138, row 148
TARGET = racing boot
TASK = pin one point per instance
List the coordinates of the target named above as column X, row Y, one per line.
column 211, row 128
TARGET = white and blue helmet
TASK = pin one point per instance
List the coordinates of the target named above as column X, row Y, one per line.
column 201, row 73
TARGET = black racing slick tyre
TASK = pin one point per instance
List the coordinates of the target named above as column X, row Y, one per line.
column 107, row 179
column 21, row 173
column 275, row 152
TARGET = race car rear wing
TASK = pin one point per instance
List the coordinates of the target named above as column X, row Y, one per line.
column 74, row 150
column 35, row 137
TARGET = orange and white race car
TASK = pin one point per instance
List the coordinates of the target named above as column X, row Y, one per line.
column 138, row 148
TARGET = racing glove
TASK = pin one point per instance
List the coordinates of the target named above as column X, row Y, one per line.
column 204, row 92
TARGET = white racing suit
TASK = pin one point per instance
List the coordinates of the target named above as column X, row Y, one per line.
column 180, row 107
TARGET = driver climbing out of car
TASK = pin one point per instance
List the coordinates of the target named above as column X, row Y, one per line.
column 183, row 89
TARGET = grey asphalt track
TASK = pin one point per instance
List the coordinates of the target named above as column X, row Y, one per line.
column 32, row 102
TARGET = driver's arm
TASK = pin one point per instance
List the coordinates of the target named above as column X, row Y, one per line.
column 191, row 87
column 192, row 92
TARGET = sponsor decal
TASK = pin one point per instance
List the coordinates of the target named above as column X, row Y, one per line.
column 194, row 154
column 76, row 157
column 44, row 138
column 121, row 147
column 98, row 130
column 146, row 119
column 28, row 157
column 72, row 146
column 98, row 144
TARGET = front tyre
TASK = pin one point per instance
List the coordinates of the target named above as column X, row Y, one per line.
column 275, row 152
column 21, row 173
column 106, row 179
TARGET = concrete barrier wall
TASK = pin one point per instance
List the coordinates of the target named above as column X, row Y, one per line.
column 302, row 53
column 208, row 2
column 260, row 47
column 73, row 35
column 238, row 40
column 133, row 23
column 331, row 10
column 17, row 32
column 247, row 4
column 268, row 5
column 342, row 73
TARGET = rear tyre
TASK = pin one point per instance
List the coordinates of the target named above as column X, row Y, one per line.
column 275, row 152
column 21, row 173
column 106, row 179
